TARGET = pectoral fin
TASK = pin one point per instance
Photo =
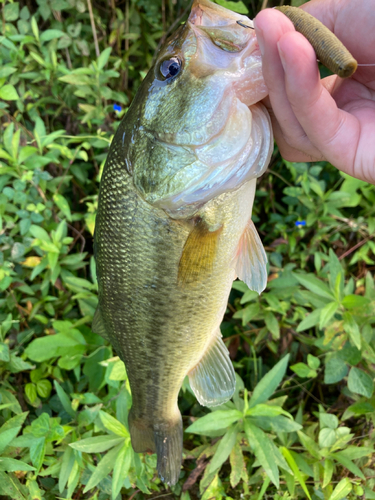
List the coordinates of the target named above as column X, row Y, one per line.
column 98, row 325
column 251, row 260
column 199, row 253
column 213, row 380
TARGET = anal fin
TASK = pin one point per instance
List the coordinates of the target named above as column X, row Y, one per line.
column 250, row 261
column 213, row 380
column 199, row 252
column 98, row 325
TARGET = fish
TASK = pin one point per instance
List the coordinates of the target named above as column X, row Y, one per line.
column 173, row 227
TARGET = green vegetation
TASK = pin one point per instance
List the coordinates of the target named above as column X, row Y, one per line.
column 301, row 423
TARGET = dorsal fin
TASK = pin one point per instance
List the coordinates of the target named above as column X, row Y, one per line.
column 199, row 253
column 250, row 261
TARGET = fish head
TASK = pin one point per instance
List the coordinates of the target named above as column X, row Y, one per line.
column 194, row 129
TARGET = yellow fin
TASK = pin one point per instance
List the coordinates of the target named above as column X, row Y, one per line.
column 250, row 261
column 199, row 253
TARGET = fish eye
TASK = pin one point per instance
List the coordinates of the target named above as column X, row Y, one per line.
column 170, row 68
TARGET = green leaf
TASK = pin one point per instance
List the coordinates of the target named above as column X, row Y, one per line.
column 11, row 487
column 34, row 490
column 216, row 420
column 40, row 426
column 103, row 58
column 48, row 35
column 237, row 465
column 277, row 424
column 37, row 452
column 64, row 398
column 348, row 464
column 360, row 382
column 40, row 233
column 335, row 370
column 66, row 467
column 60, row 344
column 311, row 320
column 328, row 420
column 272, row 324
column 63, row 205
column 6, row 71
column 309, row 444
column 353, row 301
column 44, row 388
column 121, row 468
column 263, row 451
column 8, row 93
column 113, row 425
column 97, row 444
column 237, row 6
column 263, row 410
column 303, row 371
column 327, row 438
column 11, row 465
column 4, row 352
column 295, row 469
column 352, row 329
column 315, row 285
column 75, row 79
column 327, row 312
column 313, row 362
column 267, row 386
column 328, row 471
column 6, row 437
column 11, row 11
column 223, row 450
column 301, row 463
column 342, row 489
column 103, row 469
column 355, row 452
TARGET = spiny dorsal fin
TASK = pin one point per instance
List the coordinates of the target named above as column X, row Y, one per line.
column 199, row 253
column 250, row 261
column 213, row 379
column 98, row 325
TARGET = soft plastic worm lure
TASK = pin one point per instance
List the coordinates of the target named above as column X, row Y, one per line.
column 328, row 48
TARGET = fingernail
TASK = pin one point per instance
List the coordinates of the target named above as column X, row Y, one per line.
column 282, row 56
column 260, row 39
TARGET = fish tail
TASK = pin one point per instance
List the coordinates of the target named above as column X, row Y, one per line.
column 141, row 434
column 168, row 442
column 163, row 437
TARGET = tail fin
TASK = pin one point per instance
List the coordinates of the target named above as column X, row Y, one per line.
column 165, row 438
column 168, row 441
column 141, row 434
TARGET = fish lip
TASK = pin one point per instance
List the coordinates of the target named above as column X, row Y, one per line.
column 204, row 9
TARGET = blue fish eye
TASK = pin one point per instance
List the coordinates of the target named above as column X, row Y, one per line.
column 170, row 67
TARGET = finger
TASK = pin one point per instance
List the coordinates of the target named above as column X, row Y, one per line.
column 332, row 131
column 271, row 26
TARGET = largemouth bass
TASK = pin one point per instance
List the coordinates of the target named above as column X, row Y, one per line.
column 174, row 228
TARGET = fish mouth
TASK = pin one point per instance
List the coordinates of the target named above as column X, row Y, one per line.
column 233, row 142
column 207, row 13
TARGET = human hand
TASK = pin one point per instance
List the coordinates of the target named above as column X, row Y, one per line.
column 329, row 119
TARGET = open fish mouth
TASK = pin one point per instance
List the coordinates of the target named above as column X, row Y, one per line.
column 220, row 137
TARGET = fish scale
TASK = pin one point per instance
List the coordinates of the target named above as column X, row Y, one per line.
column 160, row 318
column 173, row 227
